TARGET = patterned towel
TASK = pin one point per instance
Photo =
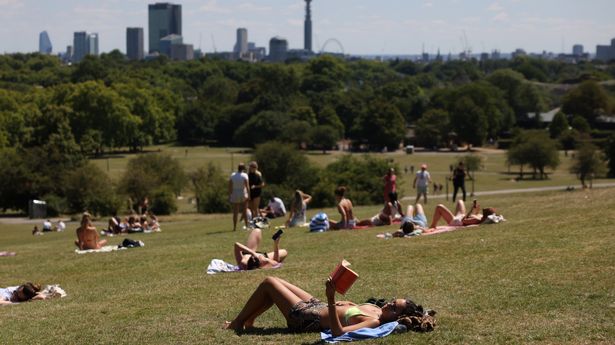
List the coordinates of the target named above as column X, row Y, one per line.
column 219, row 266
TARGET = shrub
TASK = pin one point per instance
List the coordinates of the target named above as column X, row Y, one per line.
column 286, row 166
column 89, row 188
column 148, row 173
column 56, row 205
column 210, row 188
column 163, row 201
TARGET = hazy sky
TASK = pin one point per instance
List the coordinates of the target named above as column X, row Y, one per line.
column 362, row 26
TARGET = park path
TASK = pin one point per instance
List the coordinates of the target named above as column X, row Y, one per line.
column 24, row 220
column 519, row 190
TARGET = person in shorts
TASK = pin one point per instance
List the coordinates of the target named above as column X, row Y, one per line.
column 421, row 183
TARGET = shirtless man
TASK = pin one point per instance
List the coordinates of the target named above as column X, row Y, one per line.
column 344, row 207
column 87, row 236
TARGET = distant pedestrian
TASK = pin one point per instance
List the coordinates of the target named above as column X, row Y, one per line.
column 405, row 170
column 459, row 180
column 412, row 169
column 390, row 184
column 238, row 194
column 255, row 179
column 421, row 183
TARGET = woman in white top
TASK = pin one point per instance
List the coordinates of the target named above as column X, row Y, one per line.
column 238, row 194
column 298, row 207
column 22, row 293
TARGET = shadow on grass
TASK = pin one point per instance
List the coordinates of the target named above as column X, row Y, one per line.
column 221, row 232
column 264, row 331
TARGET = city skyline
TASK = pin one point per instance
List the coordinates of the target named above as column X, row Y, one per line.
column 362, row 26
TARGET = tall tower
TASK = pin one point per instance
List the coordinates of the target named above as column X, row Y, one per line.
column 134, row 43
column 80, row 46
column 307, row 27
column 241, row 46
column 164, row 19
column 44, row 44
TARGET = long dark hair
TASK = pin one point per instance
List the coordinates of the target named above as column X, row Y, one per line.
column 414, row 317
column 28, row 290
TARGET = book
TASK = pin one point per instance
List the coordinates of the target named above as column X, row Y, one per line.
column 343, row 277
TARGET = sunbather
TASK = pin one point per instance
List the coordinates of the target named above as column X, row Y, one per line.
column 344, row 207
column 22, row 293
column 87, row 236
column 248, row 258
column 304, row 313
column 414, row 219
column 461, row 216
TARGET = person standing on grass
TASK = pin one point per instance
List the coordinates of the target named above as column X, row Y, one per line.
column 459, row 180
column 421, row 183
column 390, row 184
column 238, row 194
column 255, row 179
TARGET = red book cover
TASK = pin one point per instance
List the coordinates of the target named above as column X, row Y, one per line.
column 343, row 277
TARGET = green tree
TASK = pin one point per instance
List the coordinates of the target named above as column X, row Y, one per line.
column 588, row 162
column 558, row 125
column 88, row 188
column 433, row 128
column 610, row 155
column 381, row 126
column 324, row 137
column 588, row 100
column 580, row 124
column 285, row 166
column 535, row 149
column 469, row 121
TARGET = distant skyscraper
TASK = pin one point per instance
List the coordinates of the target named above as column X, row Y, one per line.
column 278, row 47
column 606, row 53
column 134, row 43
column 182, row 52
column 164, row 19
column 80, row 46
column 577, row 50
column 44, row 44
column 307, row 27
column 93, row 44
column 241, row 46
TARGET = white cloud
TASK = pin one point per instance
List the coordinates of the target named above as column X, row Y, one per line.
column 500, row 17
column 212, row 7
column 250, row 7
column 11, row 3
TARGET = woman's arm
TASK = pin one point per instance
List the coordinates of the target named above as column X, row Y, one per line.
column 239, row 250
column 307, row 198
column 290, row 214
column 276, row 249
column 342, row 212
column 334, row 321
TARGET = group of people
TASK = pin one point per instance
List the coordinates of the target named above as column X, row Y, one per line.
column 48, row 226
column 245, row 191
column 146, row 222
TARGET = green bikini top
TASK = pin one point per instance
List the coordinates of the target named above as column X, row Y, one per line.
column 354, row 311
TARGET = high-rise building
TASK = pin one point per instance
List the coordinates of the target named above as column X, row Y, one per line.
column 134, row 43
column 241, row 46
column 167, row 42
column 606, row 53
column 44, row 43
column 577, row 50
column 278, row 47
column 92, row 44
column 307, row 27
column 80, row 46
column 182, row 52
column 164, row 19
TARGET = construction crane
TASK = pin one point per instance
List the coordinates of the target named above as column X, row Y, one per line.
column 213, row 42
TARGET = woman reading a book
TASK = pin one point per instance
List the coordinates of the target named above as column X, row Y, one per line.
column 248, row 258
column 304, row 313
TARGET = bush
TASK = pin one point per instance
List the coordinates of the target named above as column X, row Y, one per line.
column 210, row 188
column 56, row 205
column 363, row 177
column 146, row 174
column 163, row 201
column 89, row 188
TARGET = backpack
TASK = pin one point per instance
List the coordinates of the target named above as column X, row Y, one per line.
column 319, row 223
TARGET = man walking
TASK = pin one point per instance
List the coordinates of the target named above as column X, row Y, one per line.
column 421, row 183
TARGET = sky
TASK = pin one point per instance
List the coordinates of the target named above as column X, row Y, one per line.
column 358, row 27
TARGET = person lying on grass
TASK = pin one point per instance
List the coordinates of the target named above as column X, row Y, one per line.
column 304, row 313
column 386, row 215
column 248, row 258
column 87, row 236
column 414, row 219
column 461, row 216
column 22, row 293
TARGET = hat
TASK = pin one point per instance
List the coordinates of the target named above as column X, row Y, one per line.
column 423, row 166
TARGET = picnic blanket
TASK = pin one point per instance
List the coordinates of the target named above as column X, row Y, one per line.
column 221, row 266
column 360, row 334
column 4, row 253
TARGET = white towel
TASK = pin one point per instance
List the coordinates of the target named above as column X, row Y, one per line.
column 104, row 249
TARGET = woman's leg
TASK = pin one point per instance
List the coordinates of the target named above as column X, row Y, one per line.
column 235, row 214
column 441, row 212
column 244, row 208
column 254, row 239
column 283, row 253
column 271, row 291
column 410, row 210
column 419, row 210
column 460, row 208
column 254, row 203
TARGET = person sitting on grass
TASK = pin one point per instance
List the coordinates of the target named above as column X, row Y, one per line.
column 22, row 293
column 87, row 236
column 274, row 209
column 304, row 313
column 414, row 219
column 296, row 216
column 248, row 258
column 461, row 216
column 344, row 207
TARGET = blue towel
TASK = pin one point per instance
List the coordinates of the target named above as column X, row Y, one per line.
column 361, row 334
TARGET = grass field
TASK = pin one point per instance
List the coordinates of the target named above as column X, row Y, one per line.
column 546, row 276
column 494, row 175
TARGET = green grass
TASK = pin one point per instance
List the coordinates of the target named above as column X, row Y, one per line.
column 545, row 276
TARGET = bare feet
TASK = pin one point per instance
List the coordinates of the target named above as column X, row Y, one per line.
column 231, row 325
